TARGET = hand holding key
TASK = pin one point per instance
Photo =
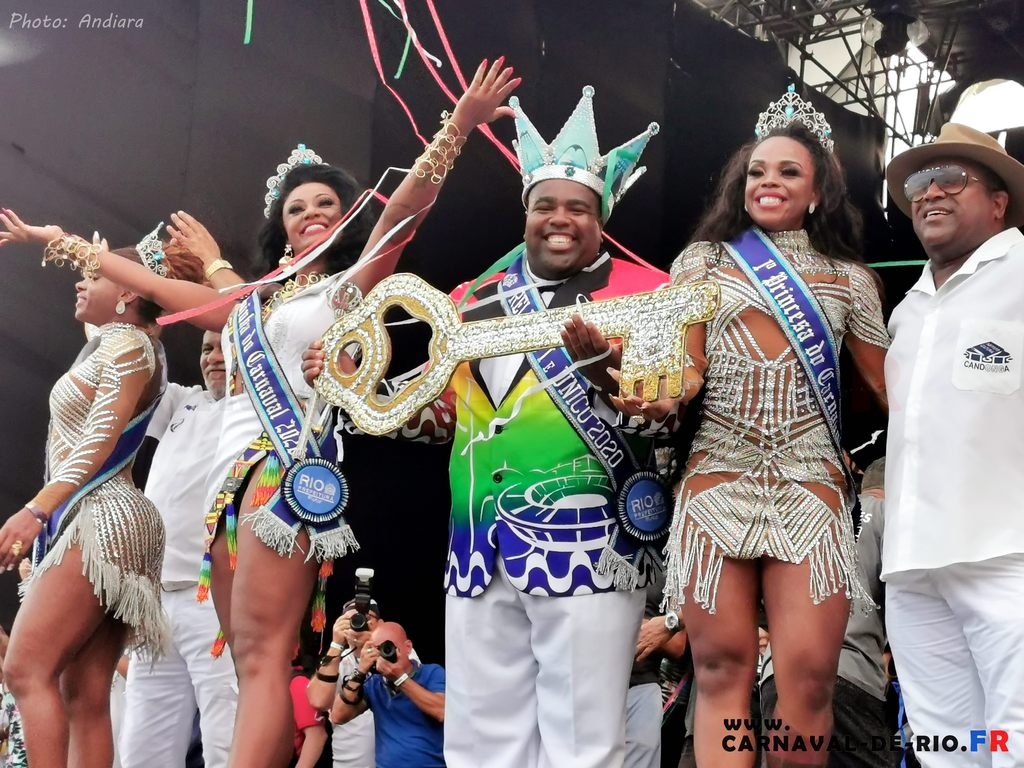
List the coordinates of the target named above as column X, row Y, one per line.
column 652, row 327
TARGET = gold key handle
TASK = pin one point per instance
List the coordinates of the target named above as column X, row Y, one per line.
column 652, row 327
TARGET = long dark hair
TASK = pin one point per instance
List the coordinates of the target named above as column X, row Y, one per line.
column 835, row 228
column 346, row 250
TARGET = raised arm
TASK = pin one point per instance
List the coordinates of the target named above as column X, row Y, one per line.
column 188, row 232
column 481, row 103
column 172, row 295
column 125, row 366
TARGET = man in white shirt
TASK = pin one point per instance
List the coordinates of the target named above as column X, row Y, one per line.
column 953, row 552
column 162, row 696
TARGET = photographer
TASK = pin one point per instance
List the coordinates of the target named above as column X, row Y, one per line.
column 352, row 744
column 406, row 698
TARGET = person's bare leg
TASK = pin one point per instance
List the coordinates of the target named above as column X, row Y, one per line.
column 57, row 619
column 725, row 658
column 85, row 688
column 806, row 640
column 269, row 597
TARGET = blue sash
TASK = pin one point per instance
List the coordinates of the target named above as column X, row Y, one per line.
column 643, row 511
column 314, row 489
column 803, row 321
column 127, row 446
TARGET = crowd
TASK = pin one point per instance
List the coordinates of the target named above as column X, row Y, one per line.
column 759, row 630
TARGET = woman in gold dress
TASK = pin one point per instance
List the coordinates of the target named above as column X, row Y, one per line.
column 98, row 541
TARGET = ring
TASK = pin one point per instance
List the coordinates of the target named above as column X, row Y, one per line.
column 16, row 547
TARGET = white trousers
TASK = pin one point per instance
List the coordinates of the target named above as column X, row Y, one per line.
column 957, row 637
column 117, row 708
column 643, row 726
column 353, row 744
column 538, row 682
column 162, row 697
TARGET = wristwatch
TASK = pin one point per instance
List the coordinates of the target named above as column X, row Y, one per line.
column 672, row 621
column 216, row 266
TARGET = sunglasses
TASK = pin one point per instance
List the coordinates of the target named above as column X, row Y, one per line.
column 951, row 179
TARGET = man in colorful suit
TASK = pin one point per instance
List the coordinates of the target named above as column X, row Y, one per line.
column 544, row 576
column 545, row 589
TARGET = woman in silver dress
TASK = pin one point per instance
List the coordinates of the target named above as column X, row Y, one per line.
column 98, row 541
column 762, row 511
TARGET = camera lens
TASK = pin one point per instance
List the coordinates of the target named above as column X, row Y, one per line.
column 359, row 622
column 388, row 651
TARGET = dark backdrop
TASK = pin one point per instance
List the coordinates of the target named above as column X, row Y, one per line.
column 111, row 129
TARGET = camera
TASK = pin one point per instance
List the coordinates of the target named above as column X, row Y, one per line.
column 388, row 651
column 364, row 581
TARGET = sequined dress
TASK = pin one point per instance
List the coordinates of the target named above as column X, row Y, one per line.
column 118, row 529
column 763, row 478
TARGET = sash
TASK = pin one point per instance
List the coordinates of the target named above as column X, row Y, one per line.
column 125, row 448
column 643, row 512
column 314, row 489
column 803, row 321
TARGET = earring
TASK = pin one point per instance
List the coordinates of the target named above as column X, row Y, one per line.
column 287, row 258
column 120, row 307
column 811, row 207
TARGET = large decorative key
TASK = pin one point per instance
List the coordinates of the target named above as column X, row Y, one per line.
column 652, row 327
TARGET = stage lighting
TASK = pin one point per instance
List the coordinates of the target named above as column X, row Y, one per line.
column 871, row 30
column 917, row 33
column 991, row 106
column 890, row 27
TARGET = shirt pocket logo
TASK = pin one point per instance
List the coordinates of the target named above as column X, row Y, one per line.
column 988, row 357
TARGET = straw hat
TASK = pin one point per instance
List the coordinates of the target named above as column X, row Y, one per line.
column 959, row 141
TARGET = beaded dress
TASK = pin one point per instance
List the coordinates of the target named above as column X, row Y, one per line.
column 290, row 328
column 118, row 529
column 763, row 478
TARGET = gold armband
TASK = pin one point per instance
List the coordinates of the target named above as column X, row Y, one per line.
column 216, row 266
column 439, row 156
column 82, row 255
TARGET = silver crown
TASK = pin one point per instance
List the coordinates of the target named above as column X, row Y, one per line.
column 301, row 155
column 792, row 108
column 151, row 251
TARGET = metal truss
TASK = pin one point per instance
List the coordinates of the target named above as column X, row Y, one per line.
column 821, row 39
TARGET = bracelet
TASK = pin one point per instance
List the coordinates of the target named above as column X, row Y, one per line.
column 38, row 514
column 82, row 255
column 325, row 660
column 356, row 677
column 216, row 266
column 439, row 156
column 400, row 680
column 353, row 702
column 327, row 678
column 337, row 646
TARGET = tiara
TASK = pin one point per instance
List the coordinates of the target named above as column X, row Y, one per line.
column 791, row 108
column 574, row 154
column 151, row 251
column 301, row 155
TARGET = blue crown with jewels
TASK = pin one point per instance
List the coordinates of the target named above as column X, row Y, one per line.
column 574, row 154
column 151, row 251
column 301, row 155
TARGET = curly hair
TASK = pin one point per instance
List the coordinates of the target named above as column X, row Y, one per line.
column 181, row 263
column 344, row 253
column 835, row 229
